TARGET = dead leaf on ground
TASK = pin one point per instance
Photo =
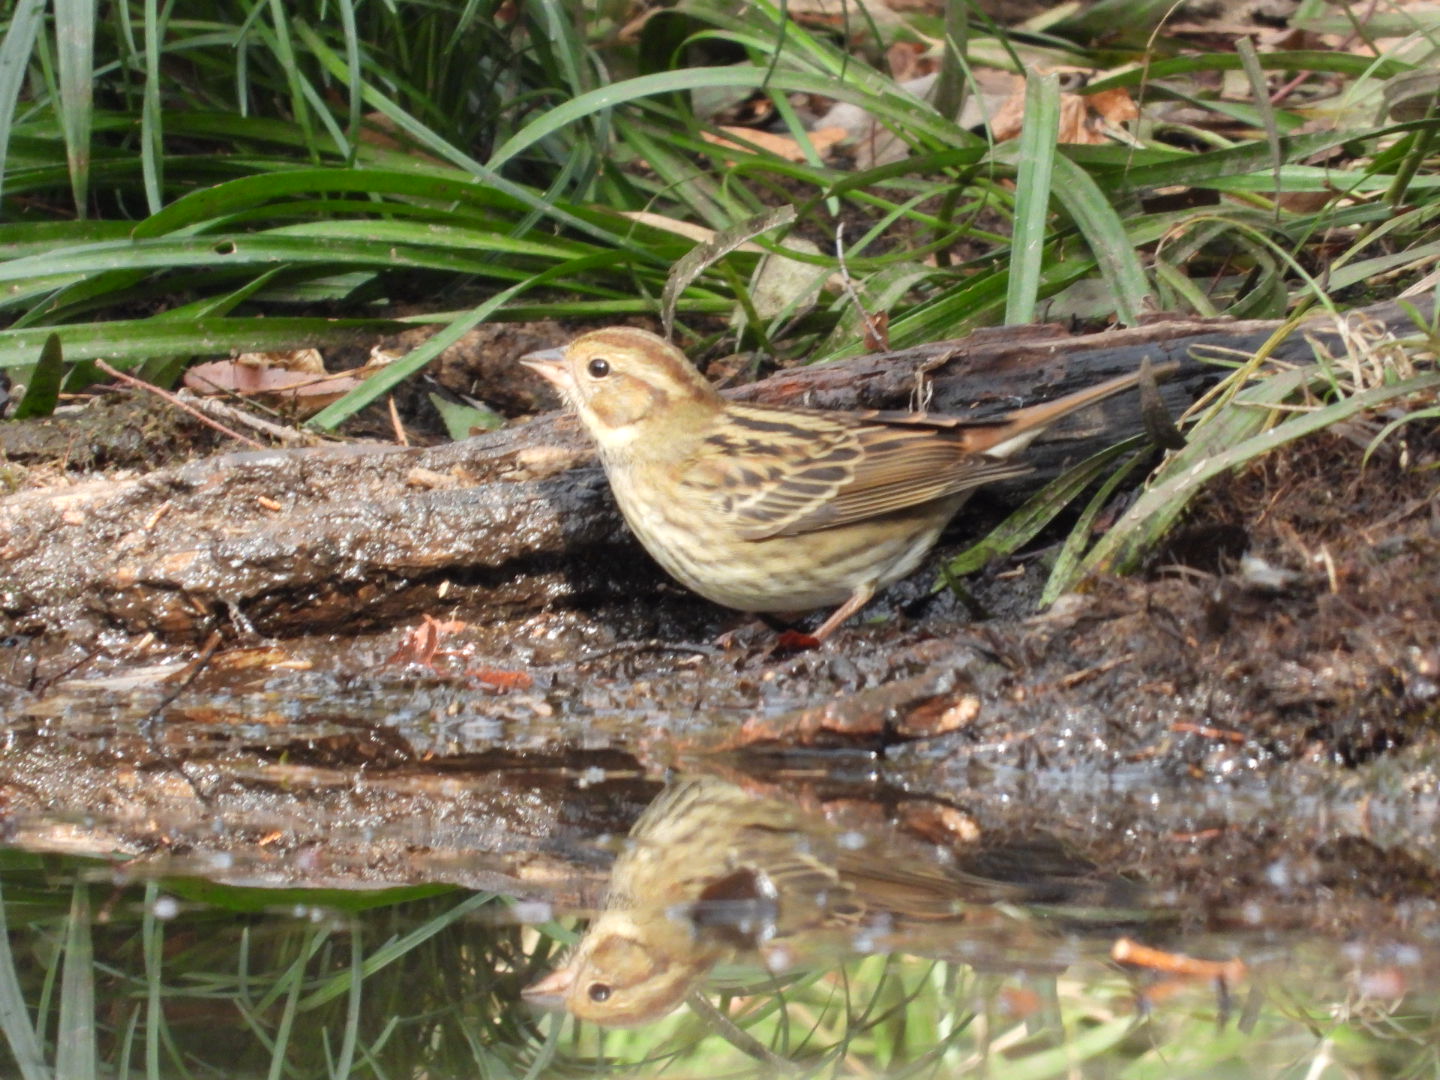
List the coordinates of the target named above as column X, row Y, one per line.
column 1087, row 119
column 297, row 379
column 782, row 146
column 421, row 644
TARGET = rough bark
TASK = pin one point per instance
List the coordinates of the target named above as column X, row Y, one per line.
column 293, row 541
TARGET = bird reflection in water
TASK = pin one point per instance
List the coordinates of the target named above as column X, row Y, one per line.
column 712, row 873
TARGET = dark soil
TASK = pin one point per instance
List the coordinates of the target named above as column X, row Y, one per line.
column 1238, row 735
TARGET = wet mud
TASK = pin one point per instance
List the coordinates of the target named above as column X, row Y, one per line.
column 1240, row 739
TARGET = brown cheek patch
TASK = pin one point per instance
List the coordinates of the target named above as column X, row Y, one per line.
column 626, row 403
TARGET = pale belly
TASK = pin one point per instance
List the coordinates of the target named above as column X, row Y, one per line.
column 767, row 575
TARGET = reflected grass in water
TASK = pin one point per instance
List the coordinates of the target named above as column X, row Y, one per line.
column 357, row 985
column 145, row 980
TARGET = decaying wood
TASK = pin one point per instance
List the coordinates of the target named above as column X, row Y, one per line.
column 297, row 540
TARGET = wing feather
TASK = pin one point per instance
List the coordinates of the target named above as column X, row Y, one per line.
column 775, row 473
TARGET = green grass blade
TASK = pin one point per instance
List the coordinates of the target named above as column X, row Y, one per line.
column 152, row 139
column 45, row 381
column 1034, row 169
column 152, row 938
column 1334, row 62
column 1105, row 232
column 351, row 1033
column 75, row 68
column 284, row 50
column 355, row 79
column 75, row 1038
column 127, row 343
column 902, row 108
column 1250, row 62
column 15, row 1023
column 705, row 255
column 1039, row 510
column 15, row 52
column 393, row 950
column 1207, row 457
column 1067, row 561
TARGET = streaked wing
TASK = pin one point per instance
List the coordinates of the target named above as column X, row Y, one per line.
column 781, row 472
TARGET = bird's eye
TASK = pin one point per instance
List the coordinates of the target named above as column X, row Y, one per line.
column 599, row 992
column 598, row 368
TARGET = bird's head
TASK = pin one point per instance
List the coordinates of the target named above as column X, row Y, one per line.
column 624, row 382
column 623, row 974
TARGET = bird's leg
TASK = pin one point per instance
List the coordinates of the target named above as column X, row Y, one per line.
column 858, row 599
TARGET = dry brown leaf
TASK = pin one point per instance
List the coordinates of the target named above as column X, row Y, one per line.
column 1010, row 117
column 297, row 379
column 782, row 146
column 1083, row 117
column 907, row 60
column 1115, row 106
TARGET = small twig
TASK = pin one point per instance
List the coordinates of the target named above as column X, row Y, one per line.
column 740, row 1039
column 165, row 395
column 147, row 723
column 400, row 436
column 651, row 645
column 877, row 330
column 1289, row 88
column 224, row 410
column 187, row 676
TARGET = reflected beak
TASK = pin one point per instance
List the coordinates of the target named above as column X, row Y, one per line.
column 549, row 363
column 549, row 992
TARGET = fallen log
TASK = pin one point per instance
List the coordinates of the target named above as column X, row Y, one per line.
column 302, row 540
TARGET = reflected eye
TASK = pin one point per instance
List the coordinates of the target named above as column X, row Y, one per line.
column 598, row 368
column 599, row 991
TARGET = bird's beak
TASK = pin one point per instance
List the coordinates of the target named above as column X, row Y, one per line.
column 550, row 364
column 549, row 992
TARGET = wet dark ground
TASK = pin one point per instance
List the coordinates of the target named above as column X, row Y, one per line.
column 1193, row 728
column 1231, row 756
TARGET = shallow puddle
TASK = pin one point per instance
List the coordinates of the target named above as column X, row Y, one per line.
column 323, row 864
column 177, row 978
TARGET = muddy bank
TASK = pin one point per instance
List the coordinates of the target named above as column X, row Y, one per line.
column 288, row 542
column 1246, row 744
column 1246, row 730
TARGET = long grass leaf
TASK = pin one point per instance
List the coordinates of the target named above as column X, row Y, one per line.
column 284, row 50
column 356, row 77
column 1039, row 510
column 295, row 978
column 903, row 108
column 152, row 939
column 152, row 138
column 75, row 1054
column 393, row 950
column 1250, row 62
column 1135, row 533
column 1105, row 232
column 702, row 256
column 1317, row 60
column 45, row 380
column 1067, row 560
column 127, row 343
column 15, row 52
column 1034, row 169
column 395, row 373
column 15, row 1021
column 75, row 67
column 351, row 1034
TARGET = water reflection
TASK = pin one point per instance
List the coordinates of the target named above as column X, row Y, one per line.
column 713, row 872
column 104, row 978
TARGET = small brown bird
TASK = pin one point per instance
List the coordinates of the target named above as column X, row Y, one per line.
column 703, row 851
column 774, row 509
column 712, row 872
